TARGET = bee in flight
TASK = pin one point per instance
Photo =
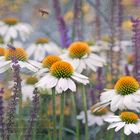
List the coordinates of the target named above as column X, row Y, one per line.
column 43, row 11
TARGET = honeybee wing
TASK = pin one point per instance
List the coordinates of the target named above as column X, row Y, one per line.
column 43, row 11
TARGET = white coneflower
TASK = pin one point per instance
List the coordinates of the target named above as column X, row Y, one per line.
column 10, row 28
column 127, row 120
column 80, row 55
column 61, row 77
column 42, row 46
column 95, row 117
column 125, row 95
column 47, row 62
column 21, row 56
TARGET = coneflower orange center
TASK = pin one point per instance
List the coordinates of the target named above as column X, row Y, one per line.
column 78, row 49
column 129, row 117
column 31, row 80
column 2, row 51
column 42, row 40
column 100, row 112
column 49, row 60
column 19, row 53
column 11, row 21
column 126, row 85
column 61, row 69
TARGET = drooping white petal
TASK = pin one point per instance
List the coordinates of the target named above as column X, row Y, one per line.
column 47, row 81
column 120, row 125
column 63, row 84
column 107, row 95
column 80, row 75
column 114, row 101
column 71, row 85
column 92, row 67
column 115, row 124
column 30, row 67
column 78, row 79
column 127, row 130
column 35, row 63
column 58, row 88
column 111, row 119
column 134, row 128
column 4, row 66
column 128, row 102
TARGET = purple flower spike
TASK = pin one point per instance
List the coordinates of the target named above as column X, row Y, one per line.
column 2, row 125
column 14, row 99
column 65, row 41
column 136, row 45
column 33, row 115
column 77, row 27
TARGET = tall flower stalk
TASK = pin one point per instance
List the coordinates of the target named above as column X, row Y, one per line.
column 61, row 24
column 77, row 25
column 2, row 114
column 119, row 33
column 14, row 99
column 75, row 113
column 33, row 116
column 85, row 112
column 136, row 45
column 98, row 21
column 116, row 32
column 54, row 114
column 62, row 104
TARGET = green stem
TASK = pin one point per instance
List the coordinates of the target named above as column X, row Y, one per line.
column 47, row 118
column 62, row 103
column 75, row 113
column 122, row 135
column 54, row 114
column 20, row 118
column 85, row 111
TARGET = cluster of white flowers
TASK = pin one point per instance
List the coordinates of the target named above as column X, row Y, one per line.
column 125, row 97
column 54, row 67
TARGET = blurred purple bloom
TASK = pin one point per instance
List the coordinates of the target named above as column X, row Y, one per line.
column 33, row 115
column 65, row 41
column 136, row 45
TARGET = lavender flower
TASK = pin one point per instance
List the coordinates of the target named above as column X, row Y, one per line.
column 98, row 21
column 77, row 28
column 136, row 45
column 65, row 41
column 33, row 115
column 14, row 99
column 116, row 32
column 1, row 113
